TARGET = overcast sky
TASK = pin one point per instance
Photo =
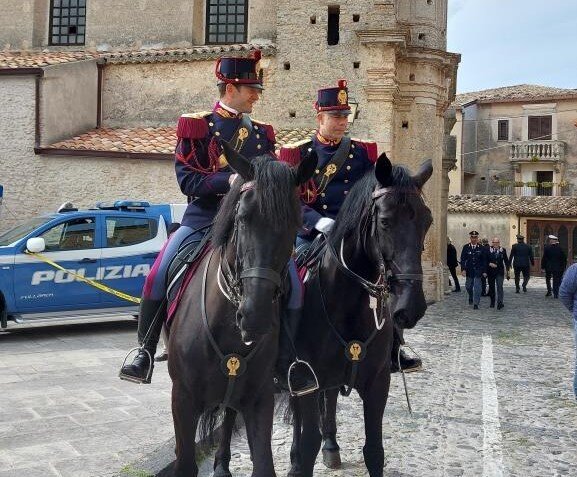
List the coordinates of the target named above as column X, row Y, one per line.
column 509, row 42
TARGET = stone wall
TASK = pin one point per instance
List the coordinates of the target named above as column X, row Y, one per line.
column 16, row 24
column 488, row 225
column 138, row 23
column 19, row 173
column 69, row 97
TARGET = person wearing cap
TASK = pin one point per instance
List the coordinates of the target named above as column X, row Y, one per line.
column 204, row 177
column 522, row 261
column 568, row 297
column 497, row 265
column 342, row 161
column 553, row 263
column 473, row 267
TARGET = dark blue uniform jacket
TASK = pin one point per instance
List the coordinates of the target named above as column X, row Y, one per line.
column 361, row 158
column 201, row 171
column 474, row 260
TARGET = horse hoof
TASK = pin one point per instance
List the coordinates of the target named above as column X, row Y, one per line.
column 332, row 459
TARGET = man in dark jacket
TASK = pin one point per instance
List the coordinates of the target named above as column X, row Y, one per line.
column 474, row 266
column 553, row 263
column 498, row 264
column 522, row 260
column 485, row 244
column 453, row 263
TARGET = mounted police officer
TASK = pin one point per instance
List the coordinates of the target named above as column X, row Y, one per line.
column 342, row 161
column 204, row 177
column 473, row 267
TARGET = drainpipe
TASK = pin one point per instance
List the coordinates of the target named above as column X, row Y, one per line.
column 100, row 67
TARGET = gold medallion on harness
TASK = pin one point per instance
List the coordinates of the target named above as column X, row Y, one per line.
column 355, row 350
column 222, row 162
column 232, row 364
column 242, row 134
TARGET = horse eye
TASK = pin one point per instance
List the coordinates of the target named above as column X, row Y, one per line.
column 384, row 222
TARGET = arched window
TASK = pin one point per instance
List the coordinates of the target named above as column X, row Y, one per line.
column 226, row 21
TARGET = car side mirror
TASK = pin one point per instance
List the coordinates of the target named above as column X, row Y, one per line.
column 36, row 244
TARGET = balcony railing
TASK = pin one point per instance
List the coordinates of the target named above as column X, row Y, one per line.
column 534, row 189
column 535, row 151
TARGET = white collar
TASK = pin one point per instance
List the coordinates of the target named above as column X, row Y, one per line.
column 228, row 108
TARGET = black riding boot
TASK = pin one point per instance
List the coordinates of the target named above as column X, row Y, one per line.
column 408, row 364
column 140, row 370
column 302, row 378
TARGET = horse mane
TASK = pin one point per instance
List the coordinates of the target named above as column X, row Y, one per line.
column 359, row 201
column 275, row 194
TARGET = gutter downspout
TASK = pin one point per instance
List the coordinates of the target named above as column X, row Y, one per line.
column 100, row 66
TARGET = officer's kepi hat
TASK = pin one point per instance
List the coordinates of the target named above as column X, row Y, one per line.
column 334, row 100
column 240, row 70
column 474, row 233
column 520, row 237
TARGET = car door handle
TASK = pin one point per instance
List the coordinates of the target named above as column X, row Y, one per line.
column 87, row 260
column 150, row 255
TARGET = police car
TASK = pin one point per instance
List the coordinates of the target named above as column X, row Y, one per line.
column 113, row 245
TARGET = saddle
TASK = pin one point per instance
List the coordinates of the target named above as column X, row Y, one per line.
column 307, row 256
column 182, row 268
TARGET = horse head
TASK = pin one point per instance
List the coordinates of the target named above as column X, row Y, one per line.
column 256, row 227
column 402, row 217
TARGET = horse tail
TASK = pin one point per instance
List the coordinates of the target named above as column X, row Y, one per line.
column 283, row 407
column 208, row 423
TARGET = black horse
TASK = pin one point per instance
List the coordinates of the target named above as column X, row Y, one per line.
column 369, row 275
column 224, row 334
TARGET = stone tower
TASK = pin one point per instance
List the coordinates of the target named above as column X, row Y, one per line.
column 393, row 53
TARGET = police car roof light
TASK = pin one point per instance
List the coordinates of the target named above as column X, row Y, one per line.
column 123, row 204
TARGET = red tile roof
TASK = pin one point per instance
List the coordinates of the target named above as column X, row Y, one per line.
column 539, row 206
column 146, row 142
column 521, row 92
column 14, row 60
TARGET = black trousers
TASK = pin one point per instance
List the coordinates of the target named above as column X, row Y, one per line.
column 526, row 275
column 453, row 271
column 557, row 276
column 548, row 276
column 483, row 285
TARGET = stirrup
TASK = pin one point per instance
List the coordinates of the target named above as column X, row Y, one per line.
column 134, row 379
column 306, row 390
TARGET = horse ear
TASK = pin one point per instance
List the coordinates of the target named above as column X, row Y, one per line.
column 306, row 168
column 238, row 162
column 424, row 174
column 384, row 170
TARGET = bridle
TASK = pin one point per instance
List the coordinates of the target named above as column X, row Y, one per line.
column 230, row 279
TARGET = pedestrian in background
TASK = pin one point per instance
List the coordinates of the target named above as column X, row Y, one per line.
column 453, row 263
column 568, row 296
column 473, row 267
column 498, row 266
column 485, row 244
column 522, row 260
column 553, row 264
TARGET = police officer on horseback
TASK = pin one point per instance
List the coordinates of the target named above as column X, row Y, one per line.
column 204, row 177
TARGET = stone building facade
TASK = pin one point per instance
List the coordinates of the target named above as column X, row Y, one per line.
column 516, row 140
column 143, row 63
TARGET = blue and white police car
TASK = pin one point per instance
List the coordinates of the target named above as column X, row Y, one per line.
column 113, row 244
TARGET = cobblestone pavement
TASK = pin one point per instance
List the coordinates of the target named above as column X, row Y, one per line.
column 495, row 398
column 63, row 410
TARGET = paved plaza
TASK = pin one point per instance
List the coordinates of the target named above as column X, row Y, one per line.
column 495, row 399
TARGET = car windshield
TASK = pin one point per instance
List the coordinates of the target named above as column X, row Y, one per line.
column 15, row 234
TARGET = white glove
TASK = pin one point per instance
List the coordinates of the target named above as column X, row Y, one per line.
column 324, row 225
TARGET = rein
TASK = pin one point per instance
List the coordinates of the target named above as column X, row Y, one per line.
column 234, row 365
column 379, row 294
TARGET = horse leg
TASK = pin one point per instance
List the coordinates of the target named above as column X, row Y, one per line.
column 311, row 436
column 331, row 449
column 374, row 402
column 295, row 470
column 222, row 456
column 185, row 418
column 258, row 421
